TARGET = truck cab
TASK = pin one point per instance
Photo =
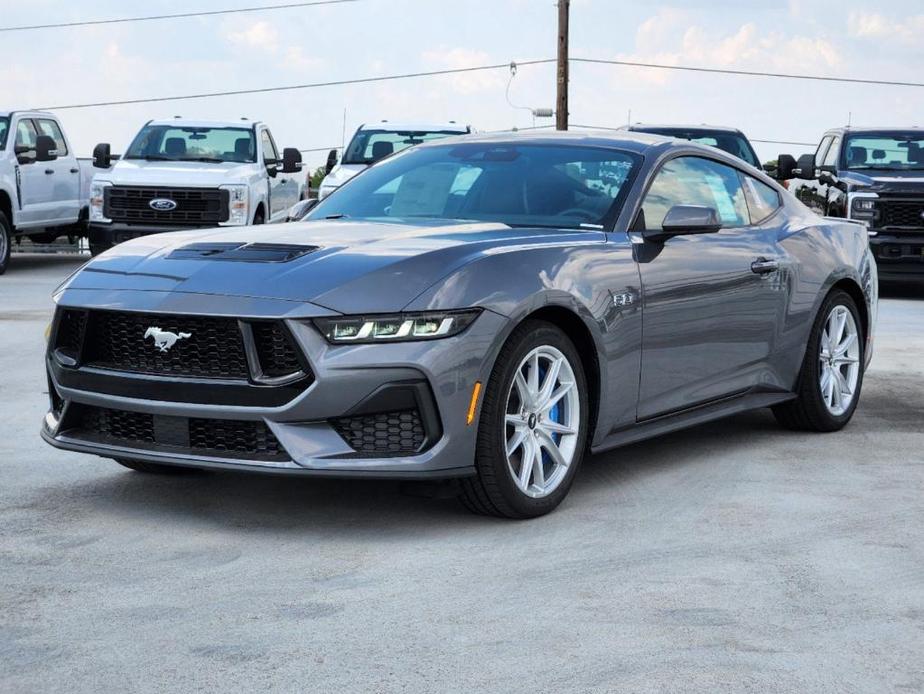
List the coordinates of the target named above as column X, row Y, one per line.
column 185, row 174
column 375, row 141
column 875, row 176
column 40, row 180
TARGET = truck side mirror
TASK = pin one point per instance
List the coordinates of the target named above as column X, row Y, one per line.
column 805, row 167
column 331, row 161
column 291, row 160
column 102, row 156
column 45, row 148
column 785, row 166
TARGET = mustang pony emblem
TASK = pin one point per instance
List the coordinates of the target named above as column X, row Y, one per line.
column 163, row 339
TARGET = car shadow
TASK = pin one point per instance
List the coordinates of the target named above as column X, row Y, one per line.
column 23, row 263
column 330, row 507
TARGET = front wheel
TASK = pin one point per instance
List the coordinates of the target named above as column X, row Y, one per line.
column 533, row 427
column 6, row 242
column 832, row 371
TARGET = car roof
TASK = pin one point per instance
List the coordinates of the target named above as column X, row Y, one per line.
column 416, row 127
column 192, row 123
column 702, row 127
column 875, row 129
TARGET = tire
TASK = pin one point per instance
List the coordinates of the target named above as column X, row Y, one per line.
column 6, row 242
column 97, row 248
column 155, row 468
column 813, row 409
column 494, row 490
column 258, row 217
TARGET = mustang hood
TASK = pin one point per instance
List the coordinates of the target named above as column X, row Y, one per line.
column 350, row 267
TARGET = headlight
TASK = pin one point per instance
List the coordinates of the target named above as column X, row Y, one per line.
column 97, row 201
column 238, row 204
column 863, row 207
column 398, row 327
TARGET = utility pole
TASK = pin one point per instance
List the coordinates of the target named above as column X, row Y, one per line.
column 561, row 110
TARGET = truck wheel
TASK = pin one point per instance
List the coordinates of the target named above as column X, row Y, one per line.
column 97, row 248
column 258, row 217
column 6, row 242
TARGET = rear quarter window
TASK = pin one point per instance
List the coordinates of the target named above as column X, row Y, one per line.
column 762, row 199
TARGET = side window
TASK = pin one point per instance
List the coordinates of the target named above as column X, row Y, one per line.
column 25, row 141
column 50, row 128
column 696, row 181
column 270, row 155
column 823, row 148
column 763, row 200
column 831, row 157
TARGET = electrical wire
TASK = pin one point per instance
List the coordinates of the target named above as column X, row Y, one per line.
column 181, row 15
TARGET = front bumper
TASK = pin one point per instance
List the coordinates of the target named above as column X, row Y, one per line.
column 899, row 257
column 113, row 233
column 350, row 383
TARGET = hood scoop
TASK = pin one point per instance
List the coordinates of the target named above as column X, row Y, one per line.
column 242, row 252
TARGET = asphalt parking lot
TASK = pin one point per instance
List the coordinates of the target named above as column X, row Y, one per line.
column 733, row 557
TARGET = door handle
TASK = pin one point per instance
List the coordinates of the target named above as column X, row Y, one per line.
column 49, row 171
column 763, row 266
column 75, row 170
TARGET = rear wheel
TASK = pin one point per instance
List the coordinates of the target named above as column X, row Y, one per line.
column 155, row 468
column 832, row 371
column 533, row 427
column 6, row 242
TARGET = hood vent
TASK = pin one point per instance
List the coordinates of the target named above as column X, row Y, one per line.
column 242, row 252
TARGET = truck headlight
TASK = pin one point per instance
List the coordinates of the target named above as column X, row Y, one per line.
column 864, row 207
column 238, row 204
column 98, row 201
column 398, row 327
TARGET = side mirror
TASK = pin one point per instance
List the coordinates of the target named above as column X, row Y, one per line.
column 300, row 210
column 45, row 148
column 331, row 161
column 686, row 219
column 805, row 167
column 291, row 160
column 102, row 156
column 785, row 166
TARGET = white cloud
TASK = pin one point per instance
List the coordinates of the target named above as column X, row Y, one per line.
column 260, row 35
column 871, row 25
column 467, row 82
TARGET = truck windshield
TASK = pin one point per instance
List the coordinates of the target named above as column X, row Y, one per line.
column 4, row 127
column 897, row 151
column 177, row 143
column 730, row 142
column 533, row 185
column 368, row 146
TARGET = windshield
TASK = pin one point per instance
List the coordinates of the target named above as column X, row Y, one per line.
column 368, row 146
column 176, row 143
column 730, row 142
column 896, row 151
column 4, row 127
column 555, row 186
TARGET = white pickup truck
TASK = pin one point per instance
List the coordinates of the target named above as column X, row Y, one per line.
column 43, row 187
column 182, row 174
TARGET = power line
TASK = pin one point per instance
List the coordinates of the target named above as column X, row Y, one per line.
column 312, row 85
column 181, row 15
column 749, row 73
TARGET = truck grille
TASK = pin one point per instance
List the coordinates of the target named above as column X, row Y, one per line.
column 194, row 206
column 226, row 438
column 904, row 214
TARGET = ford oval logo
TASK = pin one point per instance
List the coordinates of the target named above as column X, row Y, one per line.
column 162, row 204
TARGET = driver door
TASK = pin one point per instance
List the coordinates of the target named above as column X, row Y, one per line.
column 282, row 193
column 709, row 319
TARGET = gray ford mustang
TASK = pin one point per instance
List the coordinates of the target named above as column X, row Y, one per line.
column 488, row 308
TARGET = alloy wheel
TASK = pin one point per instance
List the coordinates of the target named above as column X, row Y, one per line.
column 543, row 417
column 839, row 359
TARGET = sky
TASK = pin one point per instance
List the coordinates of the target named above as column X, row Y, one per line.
column 848, row 38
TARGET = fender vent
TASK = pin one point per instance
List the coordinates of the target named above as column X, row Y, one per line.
column 242, row 252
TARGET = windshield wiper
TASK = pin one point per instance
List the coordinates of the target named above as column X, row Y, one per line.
column 152, row 157
column 339, row 215
column 210, row 160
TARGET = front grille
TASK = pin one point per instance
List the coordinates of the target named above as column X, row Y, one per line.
column 384, row 434
column 198, row 346
column 69, row 333
column 194, row 206
column 253, row 439
column 275, row 350
column 906, row 214
column 226, row 438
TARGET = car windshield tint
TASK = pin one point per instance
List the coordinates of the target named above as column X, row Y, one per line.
column 554, row 186
column 728, row 142
column 368, row 146
column 175, row 143
column 4, row 128
column 892, row 150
